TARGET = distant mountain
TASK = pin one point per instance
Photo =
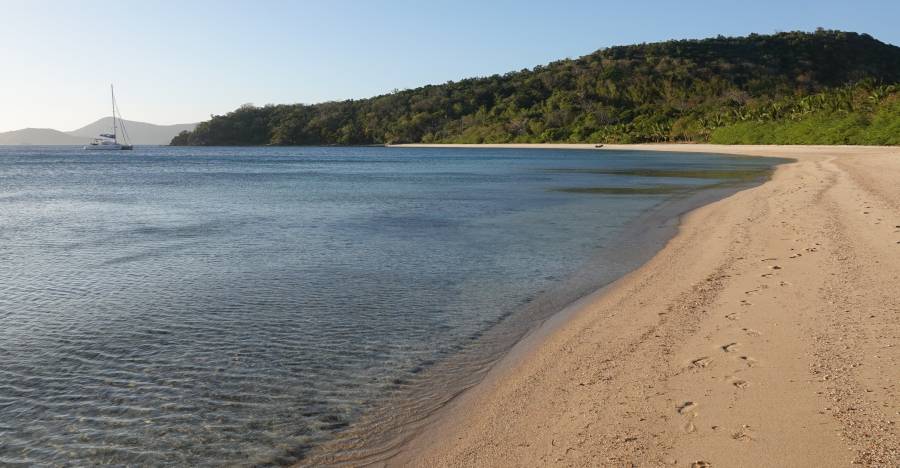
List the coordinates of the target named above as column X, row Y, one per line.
column 793, row 87
column 40, row 136
column 139, row 133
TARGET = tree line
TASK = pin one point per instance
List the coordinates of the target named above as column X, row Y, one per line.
column 723, row 89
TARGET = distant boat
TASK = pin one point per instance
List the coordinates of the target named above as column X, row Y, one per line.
column 110, row 141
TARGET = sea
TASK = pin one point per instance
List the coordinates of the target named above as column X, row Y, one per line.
column 213, row 306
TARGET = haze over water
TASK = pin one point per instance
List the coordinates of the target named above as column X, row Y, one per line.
column 241, row 305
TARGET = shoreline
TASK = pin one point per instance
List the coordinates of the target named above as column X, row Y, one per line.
column 379, row 434
column 578, row 391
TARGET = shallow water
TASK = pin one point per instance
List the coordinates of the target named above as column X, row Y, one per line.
column 208, row 306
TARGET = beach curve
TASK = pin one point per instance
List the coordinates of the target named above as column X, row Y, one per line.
column 765, row 333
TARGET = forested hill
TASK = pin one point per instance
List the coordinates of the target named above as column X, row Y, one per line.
column 795, row 87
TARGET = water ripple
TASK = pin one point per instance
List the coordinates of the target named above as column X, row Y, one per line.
column 222, row 306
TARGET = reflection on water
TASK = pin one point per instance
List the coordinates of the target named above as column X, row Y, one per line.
column 235, row 306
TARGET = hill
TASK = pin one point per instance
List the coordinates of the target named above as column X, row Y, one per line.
column 40, row 136
column 759, row 88
column 139, row 133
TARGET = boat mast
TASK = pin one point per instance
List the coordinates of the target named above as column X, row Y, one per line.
column 113, row 94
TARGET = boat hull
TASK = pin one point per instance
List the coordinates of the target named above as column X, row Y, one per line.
column 107, row 147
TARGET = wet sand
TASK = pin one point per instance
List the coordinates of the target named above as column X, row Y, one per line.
column 765, row 333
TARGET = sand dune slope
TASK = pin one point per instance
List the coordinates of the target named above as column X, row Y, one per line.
column 766, row 333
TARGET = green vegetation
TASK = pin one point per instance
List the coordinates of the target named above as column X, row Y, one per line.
column 796, row 87
column 862, row 117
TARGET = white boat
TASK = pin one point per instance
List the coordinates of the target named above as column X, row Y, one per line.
column 110, row 141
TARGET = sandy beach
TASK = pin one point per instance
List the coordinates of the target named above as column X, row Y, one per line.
column 765, row 333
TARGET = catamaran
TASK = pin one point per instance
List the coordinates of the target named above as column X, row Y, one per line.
column 110, row 141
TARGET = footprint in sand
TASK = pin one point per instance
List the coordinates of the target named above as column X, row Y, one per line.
column 730, row 347
column 743, row 434
column 731, row 316
column 775, row 267
column 748, row 360
column 689, row 427
column 751, row 332
column 767, row 275
column 756, row 290
column 701, row 464
column 686, row 407
column 796, row 255
column 741, row 384
column 701, row 362
column 745, row 302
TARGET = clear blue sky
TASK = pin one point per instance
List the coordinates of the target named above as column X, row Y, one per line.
column 181, row 61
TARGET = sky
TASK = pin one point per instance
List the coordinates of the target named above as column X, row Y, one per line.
column 181, row 61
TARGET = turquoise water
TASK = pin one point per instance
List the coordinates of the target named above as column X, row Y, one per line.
column 209, row 306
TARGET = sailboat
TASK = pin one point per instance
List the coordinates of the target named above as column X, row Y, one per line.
column 110, row 141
